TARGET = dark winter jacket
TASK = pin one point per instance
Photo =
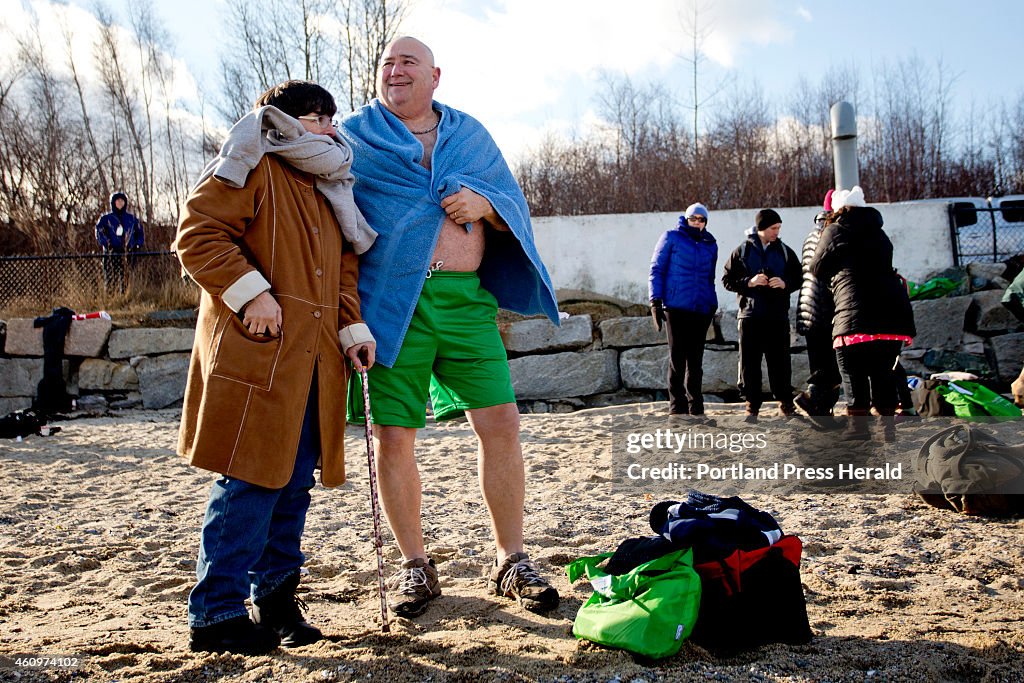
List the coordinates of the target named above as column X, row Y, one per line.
column 775, row 260
column 854, row 256
column 814, row 308
column 683, row 270
column 119, row 231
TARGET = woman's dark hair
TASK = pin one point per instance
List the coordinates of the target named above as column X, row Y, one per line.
column 841, row 211
column 298, row 98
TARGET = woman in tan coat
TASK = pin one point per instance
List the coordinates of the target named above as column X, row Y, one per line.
column 265, row 401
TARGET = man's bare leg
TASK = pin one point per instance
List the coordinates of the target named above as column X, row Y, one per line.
column 399, row 484
column 416, row 582
column 502, row 479
column 503, row 483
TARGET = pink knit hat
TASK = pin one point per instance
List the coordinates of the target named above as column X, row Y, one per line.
column 827, row 205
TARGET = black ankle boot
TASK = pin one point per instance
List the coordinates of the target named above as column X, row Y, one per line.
column 281, row 611
column 857, row 425
column 238, row 635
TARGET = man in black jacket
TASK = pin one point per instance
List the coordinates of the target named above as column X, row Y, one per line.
column 764, row 272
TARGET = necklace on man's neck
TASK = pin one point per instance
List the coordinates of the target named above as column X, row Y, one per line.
column 428, row 130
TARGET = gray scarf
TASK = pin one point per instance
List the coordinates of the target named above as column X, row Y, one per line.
column 270, row 130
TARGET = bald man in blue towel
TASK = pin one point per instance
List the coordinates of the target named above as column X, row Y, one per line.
column 454, row 244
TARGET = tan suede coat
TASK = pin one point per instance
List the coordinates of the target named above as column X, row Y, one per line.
column 246, row 395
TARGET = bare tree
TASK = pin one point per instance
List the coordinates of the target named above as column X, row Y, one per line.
column 337, row 43
column 739, row 140
column 120, row 87
column 697, row 34
column 90, row 135
column 369, row 25
column 808, row 156
column 626, row 109
column 12, row 169
column 151, row 42
column 44, row 176
column 1008, row 147
column 906, row 148
column 169, row 187
column 67, row 142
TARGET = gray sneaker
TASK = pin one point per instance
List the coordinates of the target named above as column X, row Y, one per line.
column 517, row 578
column 412, row 587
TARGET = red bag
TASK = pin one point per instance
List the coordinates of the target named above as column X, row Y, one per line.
column 753, row 597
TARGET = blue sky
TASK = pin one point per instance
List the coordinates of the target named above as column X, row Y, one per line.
column 527, row 66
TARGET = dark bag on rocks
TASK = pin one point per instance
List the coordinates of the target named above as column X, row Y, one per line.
column 968, row 470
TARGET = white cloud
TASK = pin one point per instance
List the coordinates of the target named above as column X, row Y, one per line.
column 55, row 24
column 804, row 14
column 522, row 63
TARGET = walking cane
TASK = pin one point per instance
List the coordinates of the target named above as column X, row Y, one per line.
column 378, row 543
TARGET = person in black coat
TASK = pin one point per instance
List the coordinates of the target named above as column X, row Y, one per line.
column 814, row 321
column 873, row 317
column 764, row 272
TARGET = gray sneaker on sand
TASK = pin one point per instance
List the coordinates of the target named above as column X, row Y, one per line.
column 517, row 578
column 412, row 587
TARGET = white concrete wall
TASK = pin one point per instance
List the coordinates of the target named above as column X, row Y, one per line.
column 611, row 254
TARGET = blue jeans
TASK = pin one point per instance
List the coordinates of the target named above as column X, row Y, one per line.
column 250, row 539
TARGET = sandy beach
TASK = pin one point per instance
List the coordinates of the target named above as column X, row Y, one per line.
column 99, row 535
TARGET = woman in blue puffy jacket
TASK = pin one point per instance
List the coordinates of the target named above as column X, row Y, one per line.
column 681, row 289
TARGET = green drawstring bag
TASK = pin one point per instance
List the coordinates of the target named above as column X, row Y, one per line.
column 650, row 610
column 970, row 399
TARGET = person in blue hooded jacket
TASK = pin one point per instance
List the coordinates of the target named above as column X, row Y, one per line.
column 681, row 289
column 118, row 233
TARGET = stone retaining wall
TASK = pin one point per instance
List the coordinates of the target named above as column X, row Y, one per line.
column 580, row 364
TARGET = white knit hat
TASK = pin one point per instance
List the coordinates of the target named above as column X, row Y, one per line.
column 854, row 197
column 696, row 209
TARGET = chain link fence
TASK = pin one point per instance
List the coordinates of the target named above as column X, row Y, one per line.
column 987, row 233
column 31, row 285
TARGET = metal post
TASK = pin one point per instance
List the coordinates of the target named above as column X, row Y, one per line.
column 844, row 145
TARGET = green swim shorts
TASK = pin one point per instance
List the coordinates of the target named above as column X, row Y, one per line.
column 452, row 350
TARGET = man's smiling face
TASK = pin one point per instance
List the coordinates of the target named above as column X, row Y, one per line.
column 408, row 77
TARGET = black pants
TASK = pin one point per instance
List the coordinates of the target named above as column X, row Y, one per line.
column 114, row 276
column 768, row 339
column 903, row 395
column 686, row 333
column 868, row 371
column 824, row 380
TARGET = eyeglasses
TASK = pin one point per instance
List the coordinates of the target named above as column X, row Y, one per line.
column 322, row 120
column 697, row 218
